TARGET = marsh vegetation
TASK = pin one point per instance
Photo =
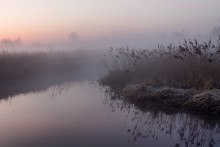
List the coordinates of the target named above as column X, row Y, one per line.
column 185, row 76
column 187, row 65
column 145, row 90
column 24, row 65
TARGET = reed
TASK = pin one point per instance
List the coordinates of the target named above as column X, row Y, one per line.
column 24, row 65
column 187, row 65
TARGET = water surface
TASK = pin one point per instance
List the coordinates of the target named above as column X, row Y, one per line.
column 81, row 113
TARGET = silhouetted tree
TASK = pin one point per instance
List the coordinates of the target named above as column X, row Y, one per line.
column 18, row 42
column 179, row 35
column 9, row 42
column 215, row 31
column 6, row 42
column 73, row 37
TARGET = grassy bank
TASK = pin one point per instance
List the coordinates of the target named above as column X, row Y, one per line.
column 23, row 65
column 184, row 76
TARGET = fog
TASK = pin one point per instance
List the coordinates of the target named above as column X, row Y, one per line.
column 109, row 73
column 73, row 41
column 88, row 55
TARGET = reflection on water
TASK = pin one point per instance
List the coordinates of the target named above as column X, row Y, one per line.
column 11, row 88
column 182, row 129
column 81, row 113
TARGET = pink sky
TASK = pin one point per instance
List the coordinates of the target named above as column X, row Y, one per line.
column 55, row 19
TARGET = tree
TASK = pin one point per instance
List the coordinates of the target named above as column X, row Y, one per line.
column 215, row 31
column 6, row 42
column 18, row 42
column 73, row 37
column 9, row 42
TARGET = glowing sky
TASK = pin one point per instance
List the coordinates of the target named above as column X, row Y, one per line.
column 54, row 19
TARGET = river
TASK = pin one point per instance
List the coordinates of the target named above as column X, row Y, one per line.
column 81, row 113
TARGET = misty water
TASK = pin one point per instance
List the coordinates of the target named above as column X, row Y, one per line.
column 81, row 113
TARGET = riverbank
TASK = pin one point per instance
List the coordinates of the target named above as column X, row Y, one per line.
column 144, row 96
column 183, row 77
column 24, row 65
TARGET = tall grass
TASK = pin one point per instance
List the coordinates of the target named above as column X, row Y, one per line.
column 188, row 65
column 25, row 65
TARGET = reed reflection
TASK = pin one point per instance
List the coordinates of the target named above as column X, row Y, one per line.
column 153, row 124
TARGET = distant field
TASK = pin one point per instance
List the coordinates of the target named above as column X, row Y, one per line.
column 26, row 65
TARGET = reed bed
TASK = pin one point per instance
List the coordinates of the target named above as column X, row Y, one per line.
column 24, row 65
column 190, row 64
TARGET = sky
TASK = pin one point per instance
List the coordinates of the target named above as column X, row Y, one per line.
column 54, row 19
